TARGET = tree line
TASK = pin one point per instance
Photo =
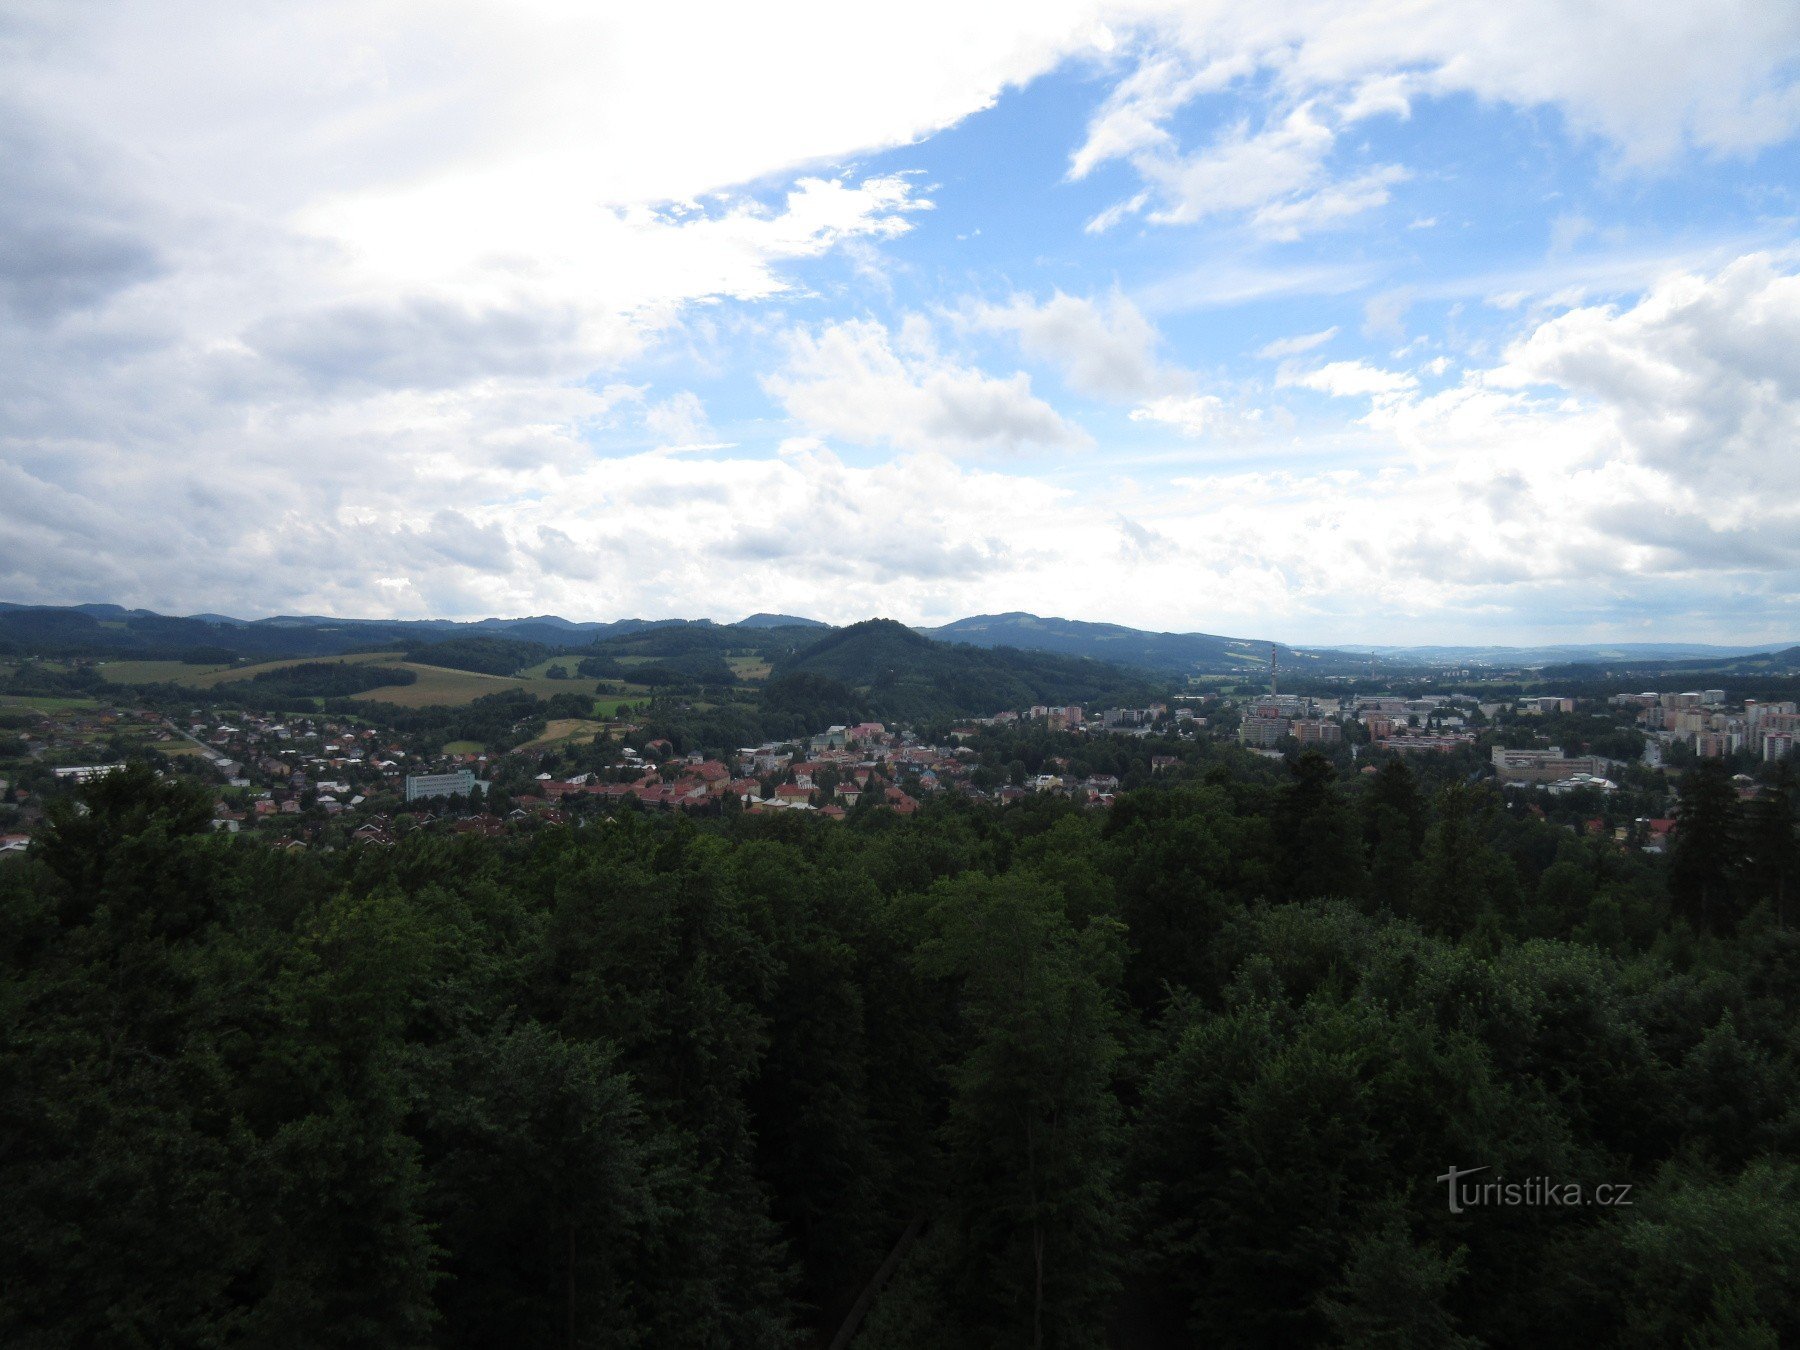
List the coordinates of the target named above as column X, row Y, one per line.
column 1187, row 1070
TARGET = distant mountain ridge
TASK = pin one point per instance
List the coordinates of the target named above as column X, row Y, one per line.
column 1584, row 653
column 898, row 672
column 764, row 620
column 107, row 629
column 1180, row 653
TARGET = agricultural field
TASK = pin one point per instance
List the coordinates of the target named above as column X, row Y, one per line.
column 441, row 685
column 207, row 677
column 158, row 672
column 565, row 731
column 218, row 675
column 436, row 684
column 542, row 668
column 177, row 748
column 748, row 667
column 44, row 702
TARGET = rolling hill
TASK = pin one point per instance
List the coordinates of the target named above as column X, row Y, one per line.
column 1176, row 653
column 778, row 621
column 899, row 673
column 115, row 631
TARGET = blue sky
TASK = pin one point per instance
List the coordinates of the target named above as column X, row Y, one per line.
column 1331, row 323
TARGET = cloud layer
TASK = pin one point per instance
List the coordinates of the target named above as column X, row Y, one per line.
column 465, row 309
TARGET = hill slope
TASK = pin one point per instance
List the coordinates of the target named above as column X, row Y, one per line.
column 761, row 620
column 899, row 673
column 1177, row 653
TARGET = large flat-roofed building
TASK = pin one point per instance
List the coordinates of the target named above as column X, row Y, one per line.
column 1264, row 731
column 1538, row 705
column 1318, row 732
column 86, row 773
column 1544, row 766
column 458, row 784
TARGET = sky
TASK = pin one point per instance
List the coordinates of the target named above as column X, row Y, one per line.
column 1405, row 322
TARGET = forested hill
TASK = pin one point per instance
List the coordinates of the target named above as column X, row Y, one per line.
column 902, row 675
column 1187, row 1072
column 108, row 630
column 1175, row 653
column 1752, row 666
column 763, row 620
column 112, row 630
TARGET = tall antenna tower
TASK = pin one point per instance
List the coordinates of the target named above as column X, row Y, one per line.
column 1272, row 689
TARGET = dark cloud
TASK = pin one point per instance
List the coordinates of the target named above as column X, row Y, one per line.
column 1687, row 540
column 454, row 536
column 66, row 241
column 843, row 547
column 1141, row 544
column 418, row 342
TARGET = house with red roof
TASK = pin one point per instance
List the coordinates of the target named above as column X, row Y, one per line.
column 900, row 802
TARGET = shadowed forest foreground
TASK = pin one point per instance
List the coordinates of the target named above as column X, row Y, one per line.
column 1190, row 1070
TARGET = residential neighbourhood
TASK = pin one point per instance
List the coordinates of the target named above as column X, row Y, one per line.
column 312, row 780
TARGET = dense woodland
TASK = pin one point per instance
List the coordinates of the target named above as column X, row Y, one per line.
column 1185, row 1071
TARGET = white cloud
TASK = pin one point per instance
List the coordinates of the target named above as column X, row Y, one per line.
column 1277, row 175
column 1288, row 220
column 1131, row 120
column 1350, row 379
column 1652, row 83
column 1241, row 170
column 1297, row 345
column 1631, row 459
column 1191, row 415
column 1141, row 544
column 454, row 536
column 679, row 422
column 324, row 308
column 1570, row 478
column 1701, row 377
column 1105, row 348
column 849, row 380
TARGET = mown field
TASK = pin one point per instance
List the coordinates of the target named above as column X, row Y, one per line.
column 542, row 668
column 436, row 684
column 440, row 685
column 563, row 731
column 178, row 748
column 206, row 677
column 161, row 672
column 43, row 702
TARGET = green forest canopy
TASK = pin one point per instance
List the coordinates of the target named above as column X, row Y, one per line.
column 1185, row 1071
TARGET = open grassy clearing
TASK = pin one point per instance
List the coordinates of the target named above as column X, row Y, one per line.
column 156, row 672
column 464, row 748
column 564, row 731
column 748, row 667
column 45, row 702
column 231, row 674
column 542, row 668
column 439, row 685
column 436, row 685
column 207, row 677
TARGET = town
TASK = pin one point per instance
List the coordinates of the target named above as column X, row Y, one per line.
column 309, row 780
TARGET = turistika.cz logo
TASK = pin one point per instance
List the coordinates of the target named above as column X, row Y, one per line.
column 1499, row 1193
